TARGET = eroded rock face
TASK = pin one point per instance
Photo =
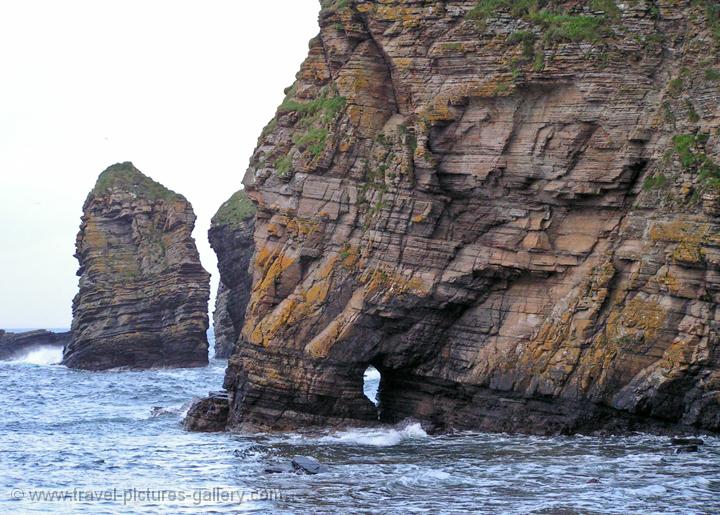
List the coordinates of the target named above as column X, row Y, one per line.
column 208, row 415
column 513, row 217
column 13, row 345
column 143, row 292
column 231, row 237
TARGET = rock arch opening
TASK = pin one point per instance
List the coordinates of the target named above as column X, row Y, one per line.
column 371, row 384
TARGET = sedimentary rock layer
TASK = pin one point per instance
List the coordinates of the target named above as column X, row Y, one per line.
column 231, row 237
column 510, row 209
column 208, row 415
column 15, row 344
column 143, row 292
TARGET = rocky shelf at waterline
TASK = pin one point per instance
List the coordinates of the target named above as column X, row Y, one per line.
column 143, row 293
column 13, row 345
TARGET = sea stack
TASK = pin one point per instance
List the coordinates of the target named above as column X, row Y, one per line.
column 143, row 292
column 231, row 237
column 512, row 215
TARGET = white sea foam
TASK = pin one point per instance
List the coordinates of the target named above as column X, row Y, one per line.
column 159, row 411
column 383, row 437
column 647, row 491
column 45, row 355
column 423, row 476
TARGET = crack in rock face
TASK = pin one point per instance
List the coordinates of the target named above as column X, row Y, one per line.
column 143, row 292
column 513, row 222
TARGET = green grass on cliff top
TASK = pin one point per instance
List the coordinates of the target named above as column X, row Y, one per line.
column 235, row 210
column 125, row 177
column 557, row 24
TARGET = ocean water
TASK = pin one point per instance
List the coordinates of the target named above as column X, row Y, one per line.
column 112, row 442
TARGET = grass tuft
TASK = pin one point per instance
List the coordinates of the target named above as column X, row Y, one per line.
column 124, row 176
column 235, row 210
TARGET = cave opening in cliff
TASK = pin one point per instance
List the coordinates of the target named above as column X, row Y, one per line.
column 371, row 384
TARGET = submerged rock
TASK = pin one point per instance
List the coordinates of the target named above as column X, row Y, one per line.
column 687, row 441
column 231, row 237
column 298, row 465
column 244, row 453
column 13, row 345
column 516, row 225
column 307, row 465
column 208, row 415
column 278, row 469
column 143, row 292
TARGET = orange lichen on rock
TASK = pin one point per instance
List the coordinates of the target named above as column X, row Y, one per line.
column 517, row 239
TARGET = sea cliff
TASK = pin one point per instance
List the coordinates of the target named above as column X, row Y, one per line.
column 510, row 209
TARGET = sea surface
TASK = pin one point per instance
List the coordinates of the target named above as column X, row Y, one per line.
column 112, row 442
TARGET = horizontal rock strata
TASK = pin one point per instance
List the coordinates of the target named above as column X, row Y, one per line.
column 143, row 292
column 208, row 415
column 512, row 213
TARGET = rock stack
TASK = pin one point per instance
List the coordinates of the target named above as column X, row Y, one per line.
column 143, row 292
column 231, row 237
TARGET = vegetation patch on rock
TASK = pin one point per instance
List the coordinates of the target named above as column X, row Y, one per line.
column 556, row 24
column 235, row 210
column 126, row 177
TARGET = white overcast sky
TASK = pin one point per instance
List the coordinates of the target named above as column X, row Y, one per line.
column 180, row 88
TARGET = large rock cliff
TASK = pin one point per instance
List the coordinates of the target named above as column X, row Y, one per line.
column 143, row 293
column 510, row 209
column 231, row 237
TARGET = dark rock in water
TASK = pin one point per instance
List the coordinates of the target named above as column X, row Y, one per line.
column 208, row 415
column 231, row 237
column 278, row 469
column 593, row 481
column 244, row 453
column 13, row 345
column 143, row 292
column 306, row 465
column 686, row 448
column 687, row 441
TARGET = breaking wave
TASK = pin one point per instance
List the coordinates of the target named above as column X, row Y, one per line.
column 45, row 355
column 377, row 437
